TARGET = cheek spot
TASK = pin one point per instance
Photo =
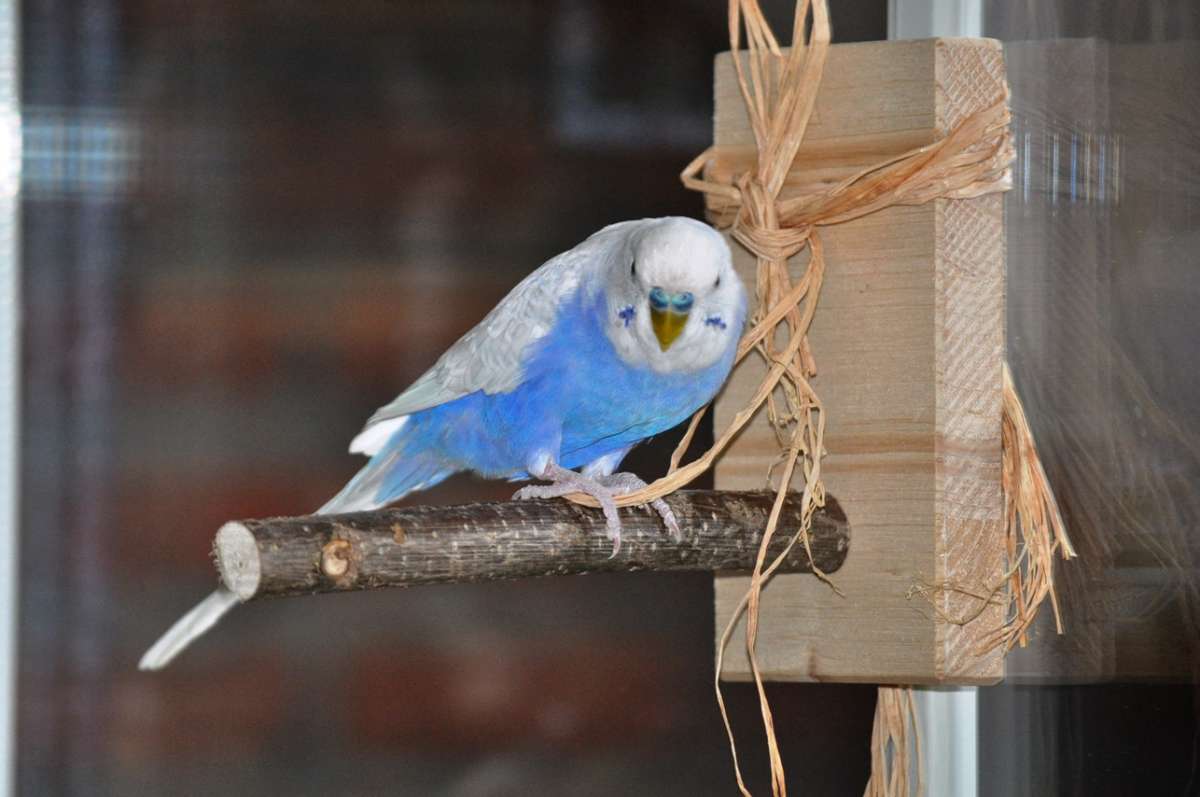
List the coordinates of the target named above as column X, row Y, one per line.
column 714, row 321
column 627, row 314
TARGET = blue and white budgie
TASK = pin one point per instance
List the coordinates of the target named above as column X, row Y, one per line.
column 604, row 346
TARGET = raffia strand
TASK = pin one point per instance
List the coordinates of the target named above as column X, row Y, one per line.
column 895, row 745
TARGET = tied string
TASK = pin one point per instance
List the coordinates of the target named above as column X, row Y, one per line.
column 779, row 89
column 971, row 160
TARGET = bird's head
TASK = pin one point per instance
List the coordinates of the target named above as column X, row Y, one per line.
column 674, row 300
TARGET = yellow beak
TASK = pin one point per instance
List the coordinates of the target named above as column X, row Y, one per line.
column 667, row 324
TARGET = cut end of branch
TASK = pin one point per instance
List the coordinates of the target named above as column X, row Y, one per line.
column 238, row 560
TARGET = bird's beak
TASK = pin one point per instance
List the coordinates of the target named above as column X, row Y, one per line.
column 667, row 325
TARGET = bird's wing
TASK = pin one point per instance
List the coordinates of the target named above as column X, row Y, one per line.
column 489, row 356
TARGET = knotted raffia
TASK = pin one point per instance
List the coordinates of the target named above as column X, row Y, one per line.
column 779, row 88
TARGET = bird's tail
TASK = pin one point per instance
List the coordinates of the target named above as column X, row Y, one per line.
column 394, row 472
column 391, row 474
column 203, row 617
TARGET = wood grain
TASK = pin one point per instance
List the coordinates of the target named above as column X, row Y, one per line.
column 909, row 340
column 511, row 539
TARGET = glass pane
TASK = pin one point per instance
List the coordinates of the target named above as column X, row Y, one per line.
column 1102, row 331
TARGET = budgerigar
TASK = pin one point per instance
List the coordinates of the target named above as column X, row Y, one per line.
column 604, row 346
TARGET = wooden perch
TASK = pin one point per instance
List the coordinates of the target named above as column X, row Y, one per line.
column 483, row 542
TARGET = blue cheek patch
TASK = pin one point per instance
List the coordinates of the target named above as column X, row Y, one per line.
column 627, row 314
column 714, row 321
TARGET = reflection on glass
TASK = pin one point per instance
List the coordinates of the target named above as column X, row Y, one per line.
column 1102, row 333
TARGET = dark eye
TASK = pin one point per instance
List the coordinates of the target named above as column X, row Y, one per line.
column 717, row 284
column 633, row 269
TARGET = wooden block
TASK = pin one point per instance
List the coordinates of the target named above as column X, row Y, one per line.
column 909, row 341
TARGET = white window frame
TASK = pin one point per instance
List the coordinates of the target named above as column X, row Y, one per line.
column 10, row 386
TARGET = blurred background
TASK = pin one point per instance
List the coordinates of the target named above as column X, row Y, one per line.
column 245, row 225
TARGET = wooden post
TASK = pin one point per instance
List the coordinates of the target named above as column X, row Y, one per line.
column 909, row 342
column 513, row 539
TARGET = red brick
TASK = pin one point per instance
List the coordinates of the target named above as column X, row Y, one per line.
column 187, row 712
column 595, row 693
column 240, row 332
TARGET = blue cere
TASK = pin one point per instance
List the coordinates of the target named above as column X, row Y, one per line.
column 659, row 299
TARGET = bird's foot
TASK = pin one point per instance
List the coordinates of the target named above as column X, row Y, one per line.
column 622, row 483
column 604, row 489
column 564, row 481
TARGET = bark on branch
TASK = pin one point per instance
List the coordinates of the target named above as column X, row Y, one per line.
column 514, row 539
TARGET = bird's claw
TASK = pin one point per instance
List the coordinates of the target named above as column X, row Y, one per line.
column 604, row 489
column 622, row 483
column 563, row 482
column 534, row 491
column 668, row 518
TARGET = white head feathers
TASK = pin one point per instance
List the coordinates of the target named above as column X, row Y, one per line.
column 679, row 256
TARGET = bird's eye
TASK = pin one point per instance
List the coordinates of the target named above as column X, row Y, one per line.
column 633, row 269
column 717, row 284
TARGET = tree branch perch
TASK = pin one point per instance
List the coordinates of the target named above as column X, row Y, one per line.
column 514, row 539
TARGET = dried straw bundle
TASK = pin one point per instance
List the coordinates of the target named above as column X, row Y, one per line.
column 1035, row 529
column 895, row 744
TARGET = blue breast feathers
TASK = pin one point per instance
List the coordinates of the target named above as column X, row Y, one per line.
column 577, row 401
